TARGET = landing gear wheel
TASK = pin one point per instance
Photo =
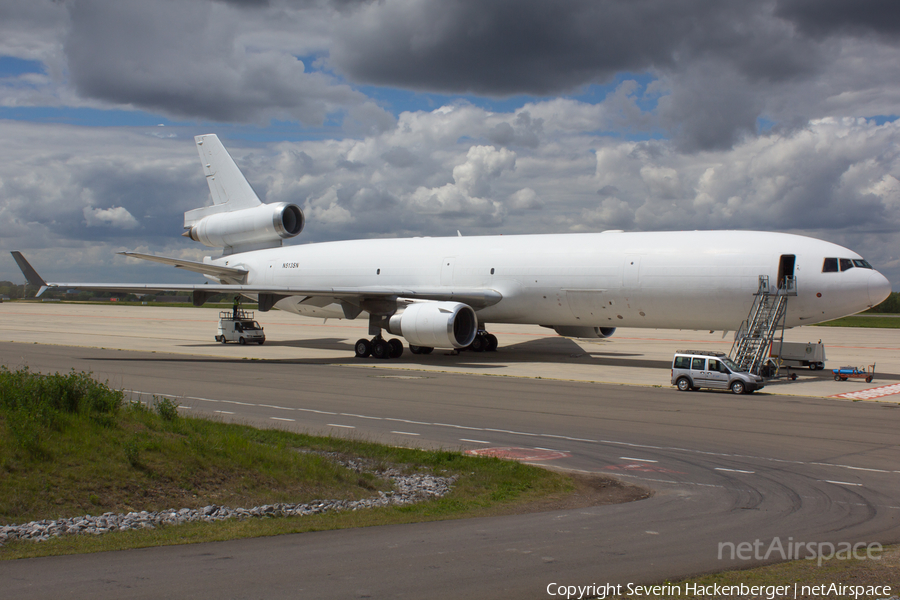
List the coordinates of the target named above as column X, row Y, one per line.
column 683, row 384
column 425, row 350
column 492, row 342
column 381, row 349
column 396, row 348
column 415, row 349
column 478, row 344
column 363, row 348
column 242, row 342
column 737, row 387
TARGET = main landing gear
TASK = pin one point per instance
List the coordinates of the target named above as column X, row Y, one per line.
column 378, row 347
column 483, row 342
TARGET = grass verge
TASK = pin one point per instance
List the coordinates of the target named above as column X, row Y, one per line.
column 70, row 446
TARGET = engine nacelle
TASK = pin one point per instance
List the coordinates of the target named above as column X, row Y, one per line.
column 436, row 324
column 261, row 224
column 584, row 332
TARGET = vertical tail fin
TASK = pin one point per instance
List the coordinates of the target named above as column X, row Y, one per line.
column 229, row 189
column 28, row 271
column 226, row 182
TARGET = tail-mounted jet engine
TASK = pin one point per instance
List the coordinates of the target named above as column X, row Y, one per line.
column 584, row 332
column 260, row 224
column 436, row 324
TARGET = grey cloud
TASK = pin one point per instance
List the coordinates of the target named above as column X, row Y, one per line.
column 187, row 60
column 821, row 18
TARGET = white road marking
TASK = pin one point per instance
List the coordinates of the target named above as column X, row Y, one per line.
column 405, row 433
column 473, row 441
column 341, row 426
column 549, row 449
column 225, row 412
column 531, row 434
column 637, row 459
column 733, row 470
column 842, row 483
column 281, row 419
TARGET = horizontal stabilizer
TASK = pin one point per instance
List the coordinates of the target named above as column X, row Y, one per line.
column 191, row 265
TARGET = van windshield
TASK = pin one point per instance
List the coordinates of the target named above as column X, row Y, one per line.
column 730, row 364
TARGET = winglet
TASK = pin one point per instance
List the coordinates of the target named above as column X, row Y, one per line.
column 30, row 274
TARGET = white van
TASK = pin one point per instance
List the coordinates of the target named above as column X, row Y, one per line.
column 695, row 369
column 239, row 326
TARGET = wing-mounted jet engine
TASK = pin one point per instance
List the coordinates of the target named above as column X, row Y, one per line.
column 237, row 221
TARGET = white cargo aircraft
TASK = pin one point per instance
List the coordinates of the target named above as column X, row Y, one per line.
column 442, row 292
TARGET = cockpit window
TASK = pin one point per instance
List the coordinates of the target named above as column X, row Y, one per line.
column 846, row 264
column 862, row 264
column 830, row 266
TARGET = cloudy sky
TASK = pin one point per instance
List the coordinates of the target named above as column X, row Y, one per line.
column 423, row 117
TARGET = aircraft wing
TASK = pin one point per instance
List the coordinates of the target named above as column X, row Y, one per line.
column 476, row 298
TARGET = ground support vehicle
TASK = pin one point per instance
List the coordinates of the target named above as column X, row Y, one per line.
column 845, row 373
column 238, row 326
column 794, row 354
column 695, row 369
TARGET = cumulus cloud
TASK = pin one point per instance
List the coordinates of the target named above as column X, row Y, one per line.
column 834, row 178
column 110, row 217
column 720, row 69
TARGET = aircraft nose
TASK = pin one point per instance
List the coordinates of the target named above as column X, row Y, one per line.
column 879, row 288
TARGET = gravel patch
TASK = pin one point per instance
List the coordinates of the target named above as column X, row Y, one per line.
column 408, row 489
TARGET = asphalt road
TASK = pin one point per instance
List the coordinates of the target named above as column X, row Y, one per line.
column 724, row 469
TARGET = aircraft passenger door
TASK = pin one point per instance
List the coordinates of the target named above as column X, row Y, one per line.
column 447, row 270
column 785, row 269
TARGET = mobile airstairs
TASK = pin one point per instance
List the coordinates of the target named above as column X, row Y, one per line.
column 753, row 341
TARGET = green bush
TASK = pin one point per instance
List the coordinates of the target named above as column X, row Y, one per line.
column 167, row 409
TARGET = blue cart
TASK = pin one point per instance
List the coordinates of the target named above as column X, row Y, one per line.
column 845, row 373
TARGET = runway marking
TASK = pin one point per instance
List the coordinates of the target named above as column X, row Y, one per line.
column 734, row 470
column 341, row 426
column 643, row 468
column 405, row 433
column 473, row 441
column 638, row 459
column 225, row 412
column 869, row 394
column 548, row 436
column 280, row 419
column 520, row 454
column 842, row 482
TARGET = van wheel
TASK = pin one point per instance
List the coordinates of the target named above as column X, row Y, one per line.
column 737, row 387
column 242, row 342
column 683, row 384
